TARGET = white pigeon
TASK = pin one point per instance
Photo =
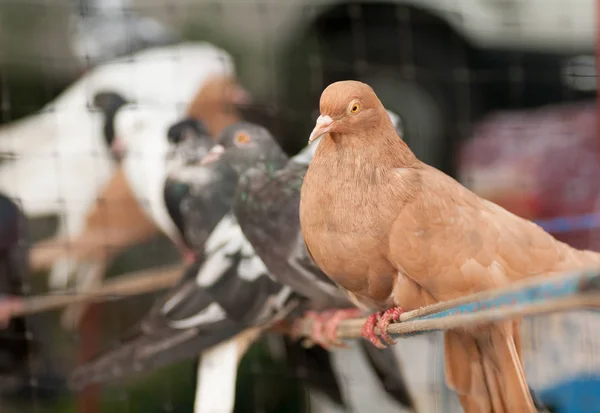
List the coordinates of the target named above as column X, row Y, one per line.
column 102, row 30
column 60, row 161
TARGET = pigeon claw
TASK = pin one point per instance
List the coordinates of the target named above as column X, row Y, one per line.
column 385, row 319
column 381, row 320
column 316, row 328
column 368, row 330
column 325, row 325
column 333, row 322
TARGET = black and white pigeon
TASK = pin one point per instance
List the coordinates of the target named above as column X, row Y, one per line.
column 196, row 195
column 103, row 30
column 59, row 159
column 162, row 155
column 108, row 103
column 266, row 206
column 220, row 297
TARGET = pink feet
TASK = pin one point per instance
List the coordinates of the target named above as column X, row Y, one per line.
column 381, row 320
column 368, row 330
column 325, row 325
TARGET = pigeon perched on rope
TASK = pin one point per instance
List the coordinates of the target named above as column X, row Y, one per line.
column 394, row 232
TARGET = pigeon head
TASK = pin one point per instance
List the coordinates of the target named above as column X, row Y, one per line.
column 305, row 156
column 243, row 145
column 109, row 103
column 190, row 141
column 186, row 130
column 349, row 106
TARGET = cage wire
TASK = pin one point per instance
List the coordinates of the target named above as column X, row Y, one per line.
column 438, row 82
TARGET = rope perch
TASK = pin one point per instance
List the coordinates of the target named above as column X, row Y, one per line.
column 136, row 283
column 533, row 296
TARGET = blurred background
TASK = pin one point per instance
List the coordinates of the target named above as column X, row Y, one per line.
column 498, row 93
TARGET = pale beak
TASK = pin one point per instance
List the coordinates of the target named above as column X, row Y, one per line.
column 212, row 155
column 118, row 147
column 323, row 126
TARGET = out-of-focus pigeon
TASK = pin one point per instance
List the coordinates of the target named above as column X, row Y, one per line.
column 163, row 150
column 116, row 220
column 218, row 297
column 266, row 207
column 142, row 137
column 196, row 196
column 103, row 30
column 60, row 161
column 46, row 252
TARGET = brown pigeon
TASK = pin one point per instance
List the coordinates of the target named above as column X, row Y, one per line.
column 393, row 231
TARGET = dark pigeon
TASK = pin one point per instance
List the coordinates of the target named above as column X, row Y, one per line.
column 221, row 295
column 196, row 196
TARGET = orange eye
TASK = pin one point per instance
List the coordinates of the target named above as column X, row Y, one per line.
column 242, row 138
column 354, row 107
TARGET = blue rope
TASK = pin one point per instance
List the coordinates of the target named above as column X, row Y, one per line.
column 528, row 295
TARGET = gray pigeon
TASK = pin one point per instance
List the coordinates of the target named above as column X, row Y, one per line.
column 225, row 292
column 196, row 196
column 266, row 206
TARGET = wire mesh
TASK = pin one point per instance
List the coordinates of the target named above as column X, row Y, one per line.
column 442, row 67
